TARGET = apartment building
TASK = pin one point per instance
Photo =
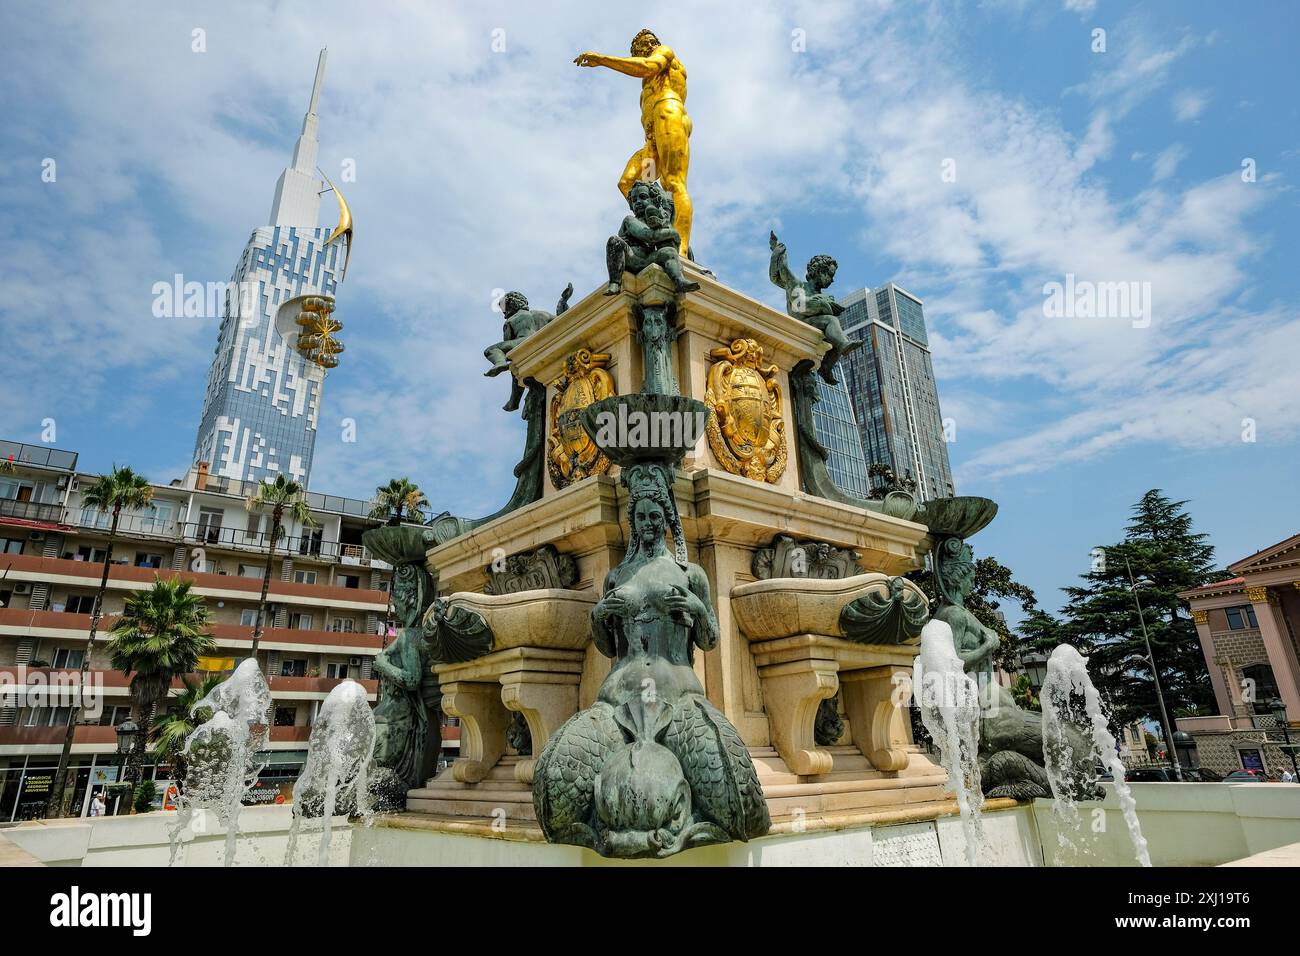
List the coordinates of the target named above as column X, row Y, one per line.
column 326, row 621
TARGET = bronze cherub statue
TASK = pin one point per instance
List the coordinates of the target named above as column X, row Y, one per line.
column 806, row 300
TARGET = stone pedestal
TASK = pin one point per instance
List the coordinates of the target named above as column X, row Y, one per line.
column 713, row 317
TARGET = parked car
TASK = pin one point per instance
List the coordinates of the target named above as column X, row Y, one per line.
column 1166, row 775
column 1246, row 776
column 1150, row 775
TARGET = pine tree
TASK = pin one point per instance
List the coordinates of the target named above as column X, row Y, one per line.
column 1101, row 619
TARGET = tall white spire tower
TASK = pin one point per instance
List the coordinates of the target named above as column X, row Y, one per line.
column 263, row 398
column 297, row 193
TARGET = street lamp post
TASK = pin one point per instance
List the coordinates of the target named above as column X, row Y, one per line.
column 1155, row 675
column 1185, row 744
column 1034, row 664
column 1278, row 709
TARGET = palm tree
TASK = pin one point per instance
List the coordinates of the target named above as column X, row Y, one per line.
column 284, row 497
column 161, row 634
column 120, row 488
column 173, row 728
column 397, row 497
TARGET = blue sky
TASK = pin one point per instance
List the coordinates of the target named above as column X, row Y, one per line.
column 480, row 170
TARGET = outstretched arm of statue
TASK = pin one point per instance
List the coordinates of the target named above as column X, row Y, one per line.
column 563, row 305
column 642, row 67
column 778, row 269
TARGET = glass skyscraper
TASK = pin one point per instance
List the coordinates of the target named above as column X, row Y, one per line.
column 890, row 381
column 837, row 429
column 262, row 404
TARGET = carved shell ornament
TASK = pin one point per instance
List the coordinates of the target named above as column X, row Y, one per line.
column 571, row 455
column 745, row 428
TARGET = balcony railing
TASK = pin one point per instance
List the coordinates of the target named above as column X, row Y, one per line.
column 42, row 455
column 31, row 510
column 301, row 545
column 127, row 524
column 30, row 566
column 315, row 500
column 19, row 682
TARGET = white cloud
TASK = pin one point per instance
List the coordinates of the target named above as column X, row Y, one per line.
column 1167, row 160
column 1134, row 65
column 1189, row 104
column 1027, row 208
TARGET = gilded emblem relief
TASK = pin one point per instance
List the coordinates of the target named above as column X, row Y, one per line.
column 745, row 428
column 571, row 455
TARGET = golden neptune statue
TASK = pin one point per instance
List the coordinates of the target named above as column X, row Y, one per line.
column 666, row 155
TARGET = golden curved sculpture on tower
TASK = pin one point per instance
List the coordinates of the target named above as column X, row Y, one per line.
column 666, row 155
column 344, row 228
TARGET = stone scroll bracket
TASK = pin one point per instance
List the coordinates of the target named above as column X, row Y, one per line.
column 546, row 700
column 539, row 683
column 799, row 672
column 792, row 693
column 483, row 725
column 879, row 726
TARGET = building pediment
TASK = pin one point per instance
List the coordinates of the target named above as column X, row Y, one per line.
column 1284, row 554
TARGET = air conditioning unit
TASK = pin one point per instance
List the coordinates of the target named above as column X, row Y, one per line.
column 22, row 588
column 36, row 536
column 62, row 483
column 354, row 662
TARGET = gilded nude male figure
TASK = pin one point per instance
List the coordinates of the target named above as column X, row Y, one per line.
column 666, row 154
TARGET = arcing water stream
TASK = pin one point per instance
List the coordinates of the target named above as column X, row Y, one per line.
column 949, row 701
column 338, row 763
column 1067, row 675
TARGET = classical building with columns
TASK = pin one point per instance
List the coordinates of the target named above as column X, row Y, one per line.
column 1248, row 628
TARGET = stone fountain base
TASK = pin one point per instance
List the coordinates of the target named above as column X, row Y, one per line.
column 925, row 834
column 1186, row 824
column 851, row 793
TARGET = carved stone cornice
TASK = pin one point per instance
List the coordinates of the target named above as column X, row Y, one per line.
column 786, row 557
column 532, row 570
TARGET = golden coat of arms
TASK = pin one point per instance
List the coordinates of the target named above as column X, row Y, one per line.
column 571, row 455
column 745, row 428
